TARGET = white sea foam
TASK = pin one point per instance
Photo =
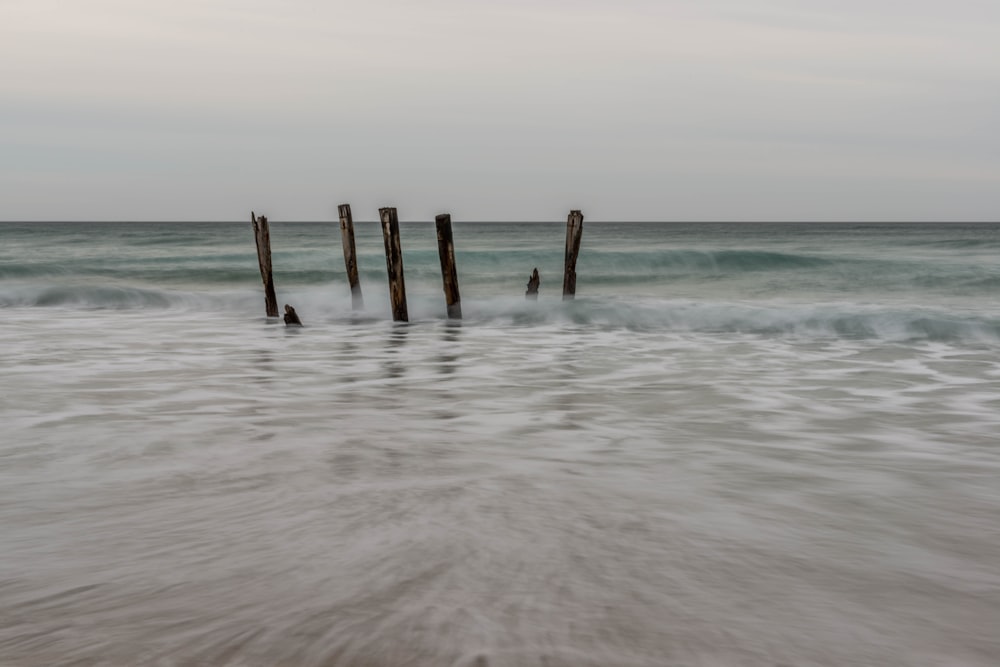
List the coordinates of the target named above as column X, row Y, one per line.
column 181, row 488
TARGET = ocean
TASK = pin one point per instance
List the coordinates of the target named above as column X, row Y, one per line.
column 740, row 445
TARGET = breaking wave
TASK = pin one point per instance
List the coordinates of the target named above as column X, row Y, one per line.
column 779, row 320
column 325, row 306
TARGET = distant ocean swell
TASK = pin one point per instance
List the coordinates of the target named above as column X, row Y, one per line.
column 598, row 268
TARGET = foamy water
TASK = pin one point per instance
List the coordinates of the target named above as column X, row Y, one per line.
column 727, row 465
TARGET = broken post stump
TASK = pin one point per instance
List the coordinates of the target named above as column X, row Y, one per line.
column 291, row 317
column 449, row 274
column 394, row 263
column 533, row 282
column 574, row 232
column 262, row 235
column 350, row 255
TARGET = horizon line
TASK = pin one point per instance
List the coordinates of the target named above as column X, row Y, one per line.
column 532, row 222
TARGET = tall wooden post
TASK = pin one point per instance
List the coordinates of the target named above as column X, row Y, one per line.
column 394, row 263
column 350, row 255
column 446, row 251
column 262, row 235
column 574, row 232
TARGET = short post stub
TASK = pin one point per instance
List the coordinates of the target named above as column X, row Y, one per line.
column 533, row 282
column 574, row 232
column 350, row 255
column 262, row 236
column 449, row 273
column 291, row 317
column 394, row 263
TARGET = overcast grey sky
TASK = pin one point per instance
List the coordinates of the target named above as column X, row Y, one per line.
column 513, row 110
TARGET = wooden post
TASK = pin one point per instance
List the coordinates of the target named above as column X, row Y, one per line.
column 262, row 235
column 574, row 232
column 394, row 263
column 350, row 255
column 291, row 317
column 446, row 250
column 533, row 282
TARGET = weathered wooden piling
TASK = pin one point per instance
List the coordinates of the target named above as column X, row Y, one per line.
column 449, row 274
column 394, row 263
column 350, row 255
column 574, row 232
column 533, row 282
column 291, row 317
column 262, row 235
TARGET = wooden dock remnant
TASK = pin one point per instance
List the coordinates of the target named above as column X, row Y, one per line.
column 574, row 232
column 533, row 282
column 449, row 274
column 394, row 263
column 262, row 235
column 291, row 317
column 350, row 255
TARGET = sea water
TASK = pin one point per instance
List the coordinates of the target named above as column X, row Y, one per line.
column 741, row 444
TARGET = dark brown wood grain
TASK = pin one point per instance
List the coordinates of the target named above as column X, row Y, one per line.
column 350, row 255
column 262, row 236
column 574, row 233
column 394, row 263
column 449, row 273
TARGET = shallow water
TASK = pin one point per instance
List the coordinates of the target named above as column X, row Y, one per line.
column 758, row 460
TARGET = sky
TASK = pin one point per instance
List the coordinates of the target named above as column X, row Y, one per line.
column 864, row 110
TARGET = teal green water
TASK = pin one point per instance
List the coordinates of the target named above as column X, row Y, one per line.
column 898, row 281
